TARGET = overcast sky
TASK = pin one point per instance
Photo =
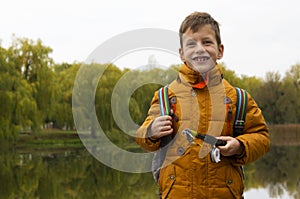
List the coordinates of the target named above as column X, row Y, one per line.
column 258, row 35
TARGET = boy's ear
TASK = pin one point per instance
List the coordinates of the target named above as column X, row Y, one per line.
column 221, row 51
column 181, row 55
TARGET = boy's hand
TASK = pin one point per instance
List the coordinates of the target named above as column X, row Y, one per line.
column 232, row 147
column 161, row 127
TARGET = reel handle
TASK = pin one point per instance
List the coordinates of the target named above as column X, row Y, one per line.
column 220, row 143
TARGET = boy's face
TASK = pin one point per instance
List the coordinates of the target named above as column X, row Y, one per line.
column 200, row 50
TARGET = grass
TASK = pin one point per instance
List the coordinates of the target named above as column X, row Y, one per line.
column 55, row 139
column 49, row 138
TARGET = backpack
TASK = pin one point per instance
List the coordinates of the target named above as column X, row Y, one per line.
column 165, row 109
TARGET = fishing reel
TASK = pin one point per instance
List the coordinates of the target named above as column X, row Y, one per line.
column 215, row 155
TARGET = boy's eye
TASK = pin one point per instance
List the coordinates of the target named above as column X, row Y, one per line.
column 207, row 42
column 191, row 43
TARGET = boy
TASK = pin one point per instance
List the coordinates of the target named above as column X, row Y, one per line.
column 204, row 102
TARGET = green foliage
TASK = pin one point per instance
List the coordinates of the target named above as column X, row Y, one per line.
column 18, row 108
column 230, row 76
column 291, row 84
column 272, row 99
column 35, row 92
column 62, row 108
column 103, row 97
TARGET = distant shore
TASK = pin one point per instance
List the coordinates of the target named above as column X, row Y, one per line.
column 280, row 134
column 285, row 134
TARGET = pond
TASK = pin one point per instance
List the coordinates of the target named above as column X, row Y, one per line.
column 74, row 173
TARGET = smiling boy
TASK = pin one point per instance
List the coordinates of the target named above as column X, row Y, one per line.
column 200, row 49
column 206, row 103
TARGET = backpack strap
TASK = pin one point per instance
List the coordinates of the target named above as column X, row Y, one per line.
column 163, row 99
column 241, row 109
column 160, row 155
column 164, row 105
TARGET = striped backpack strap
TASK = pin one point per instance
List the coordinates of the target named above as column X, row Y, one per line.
column 164, row 105
column 241, row 109
column 160, row 155
column 163, row 99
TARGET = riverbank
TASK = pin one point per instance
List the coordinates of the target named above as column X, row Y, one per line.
column 285, row 134
column 281, row 135
column 54, row 140
column 60, row 140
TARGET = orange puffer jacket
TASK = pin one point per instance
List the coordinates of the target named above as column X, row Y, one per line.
column 188, row 171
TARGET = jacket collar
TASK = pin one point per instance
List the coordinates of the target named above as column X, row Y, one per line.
column 196, row 80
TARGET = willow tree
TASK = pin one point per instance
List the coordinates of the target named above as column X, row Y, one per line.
column 32, row 59
column 64, row 78
column 18, row 107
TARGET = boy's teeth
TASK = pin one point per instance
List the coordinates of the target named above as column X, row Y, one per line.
column 200, row 59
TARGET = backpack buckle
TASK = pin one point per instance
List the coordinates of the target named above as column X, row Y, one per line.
column 239, row 123
column 238, row 127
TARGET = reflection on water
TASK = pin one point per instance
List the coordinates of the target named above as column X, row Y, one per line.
column 67, row 175
column 76, row 174
column 278, row 172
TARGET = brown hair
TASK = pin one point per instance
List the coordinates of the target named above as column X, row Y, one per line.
column 197, row 19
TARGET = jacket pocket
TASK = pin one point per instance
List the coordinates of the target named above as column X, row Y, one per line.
column 166, row 180
column 235, row 183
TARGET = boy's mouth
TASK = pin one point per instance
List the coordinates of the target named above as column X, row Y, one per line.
column 201, row 59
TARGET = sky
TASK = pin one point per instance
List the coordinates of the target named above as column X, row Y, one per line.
column 259, row 36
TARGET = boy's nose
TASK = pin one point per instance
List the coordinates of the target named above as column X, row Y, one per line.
column 199, row 48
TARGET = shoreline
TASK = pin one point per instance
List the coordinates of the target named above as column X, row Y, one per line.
column 61, row 140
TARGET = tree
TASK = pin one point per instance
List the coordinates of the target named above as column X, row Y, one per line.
column 230, row 76
column 251, row 84
column 18, row 108
column 64, row 78
column 271, row 98
column 32, row 60
column 291, row 84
